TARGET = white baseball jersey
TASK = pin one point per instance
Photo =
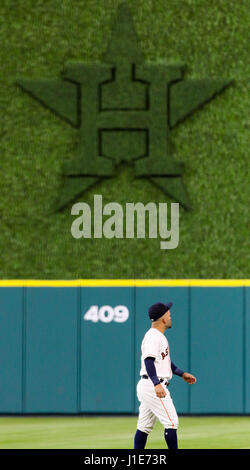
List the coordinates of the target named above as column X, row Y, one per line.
column 155, row 344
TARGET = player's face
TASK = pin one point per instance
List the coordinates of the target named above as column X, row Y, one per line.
column 167, row 319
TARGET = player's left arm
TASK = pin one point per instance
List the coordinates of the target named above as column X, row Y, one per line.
column 189, row 378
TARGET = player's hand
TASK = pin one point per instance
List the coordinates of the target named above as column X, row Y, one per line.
column 159, row 390
column 189, row 378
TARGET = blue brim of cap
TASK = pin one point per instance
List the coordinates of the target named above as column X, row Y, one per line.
column 168, row 305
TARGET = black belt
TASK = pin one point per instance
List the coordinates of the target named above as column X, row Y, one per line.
column 161, row 380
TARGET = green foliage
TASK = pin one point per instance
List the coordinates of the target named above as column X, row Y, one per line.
column 38, row 39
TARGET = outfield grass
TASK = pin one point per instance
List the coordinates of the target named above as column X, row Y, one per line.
column 37, row 38
column 118, row 432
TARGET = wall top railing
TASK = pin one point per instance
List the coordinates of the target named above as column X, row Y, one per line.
column 125, row 283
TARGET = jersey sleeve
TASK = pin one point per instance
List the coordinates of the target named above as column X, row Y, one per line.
column 176, row 370
column 151, row 371
column 150, row 348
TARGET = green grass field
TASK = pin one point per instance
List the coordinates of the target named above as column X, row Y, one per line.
column 37, row 38
column 118, row 432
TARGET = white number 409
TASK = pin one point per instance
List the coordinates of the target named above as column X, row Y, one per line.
column 106, row 314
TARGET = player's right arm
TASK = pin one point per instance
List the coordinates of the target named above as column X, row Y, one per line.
column 151, row 371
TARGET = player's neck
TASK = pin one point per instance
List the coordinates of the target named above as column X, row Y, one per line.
column 160, row 328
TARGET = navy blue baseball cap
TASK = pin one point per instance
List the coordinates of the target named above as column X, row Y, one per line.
column 157, row 310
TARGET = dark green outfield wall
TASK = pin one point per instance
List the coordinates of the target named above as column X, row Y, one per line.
column 52, row 360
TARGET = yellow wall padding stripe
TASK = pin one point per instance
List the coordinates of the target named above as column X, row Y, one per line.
column 126, row 283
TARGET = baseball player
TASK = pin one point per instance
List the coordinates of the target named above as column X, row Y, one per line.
column 156, row 373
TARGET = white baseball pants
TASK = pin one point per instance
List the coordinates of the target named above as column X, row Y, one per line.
column 153, row 408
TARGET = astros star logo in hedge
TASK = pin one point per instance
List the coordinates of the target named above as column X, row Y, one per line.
column 124, row 110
